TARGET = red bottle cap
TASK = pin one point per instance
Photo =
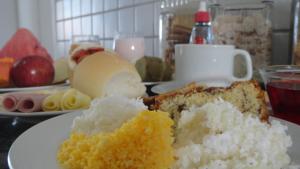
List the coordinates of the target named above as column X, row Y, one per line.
column 202, row 16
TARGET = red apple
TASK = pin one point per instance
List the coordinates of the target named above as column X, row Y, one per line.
column 32, row 71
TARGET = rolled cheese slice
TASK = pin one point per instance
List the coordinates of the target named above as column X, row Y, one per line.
column 73, row 99
column 107, row 74
column 52, row 102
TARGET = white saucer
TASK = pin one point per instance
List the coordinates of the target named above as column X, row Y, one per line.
column 173, row 85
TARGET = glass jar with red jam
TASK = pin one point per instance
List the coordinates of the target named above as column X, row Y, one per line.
column 283, row 87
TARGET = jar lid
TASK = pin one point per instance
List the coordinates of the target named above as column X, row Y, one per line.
column 238, row 5
column 202, row 16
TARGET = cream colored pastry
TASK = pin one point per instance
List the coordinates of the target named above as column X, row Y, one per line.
column 73, row 99
column 106, row 74
column 62, row 70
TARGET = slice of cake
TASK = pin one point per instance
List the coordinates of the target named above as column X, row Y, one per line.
column 247, row 96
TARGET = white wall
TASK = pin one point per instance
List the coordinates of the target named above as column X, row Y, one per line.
column 37, row 16
column 105, row 18
column 8, row 19
column 47, row 26
column 28, row 14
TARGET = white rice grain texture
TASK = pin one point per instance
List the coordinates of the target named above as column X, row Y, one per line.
column 218, row 136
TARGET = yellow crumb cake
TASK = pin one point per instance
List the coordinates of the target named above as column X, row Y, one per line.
column 247, row 96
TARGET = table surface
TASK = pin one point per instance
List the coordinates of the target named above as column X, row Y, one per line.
column 12, row 127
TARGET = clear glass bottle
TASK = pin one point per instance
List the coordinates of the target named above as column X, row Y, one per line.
column 175, row 26
column 202, row 32
column 295, row 39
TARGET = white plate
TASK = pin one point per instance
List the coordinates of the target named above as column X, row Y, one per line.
column 4, row 112
column 173, row 85
column 33, row 114
column 19, row 89
column 36, row 148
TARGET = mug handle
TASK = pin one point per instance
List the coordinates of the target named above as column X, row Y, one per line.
column 248, row 61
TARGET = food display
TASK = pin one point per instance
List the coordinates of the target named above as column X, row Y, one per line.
column 114, row 125
column 140, row 139
column 105, row 74
column 39, row 101
column 24, row 63
column 154, row 69
column 117, row 132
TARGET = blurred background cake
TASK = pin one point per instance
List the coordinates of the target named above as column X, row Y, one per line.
column 153, row 69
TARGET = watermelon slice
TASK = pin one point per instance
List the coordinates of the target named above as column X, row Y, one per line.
column 22, row 44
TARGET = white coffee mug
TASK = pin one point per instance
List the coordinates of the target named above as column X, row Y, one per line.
column 209, row 63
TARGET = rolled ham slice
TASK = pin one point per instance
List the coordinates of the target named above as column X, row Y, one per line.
column 23, row 102
column 10, row 102
column 31, row 103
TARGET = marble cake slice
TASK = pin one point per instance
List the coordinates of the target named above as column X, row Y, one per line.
column 247, row 96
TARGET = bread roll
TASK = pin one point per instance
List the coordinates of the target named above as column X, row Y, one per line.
column 106, row 74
